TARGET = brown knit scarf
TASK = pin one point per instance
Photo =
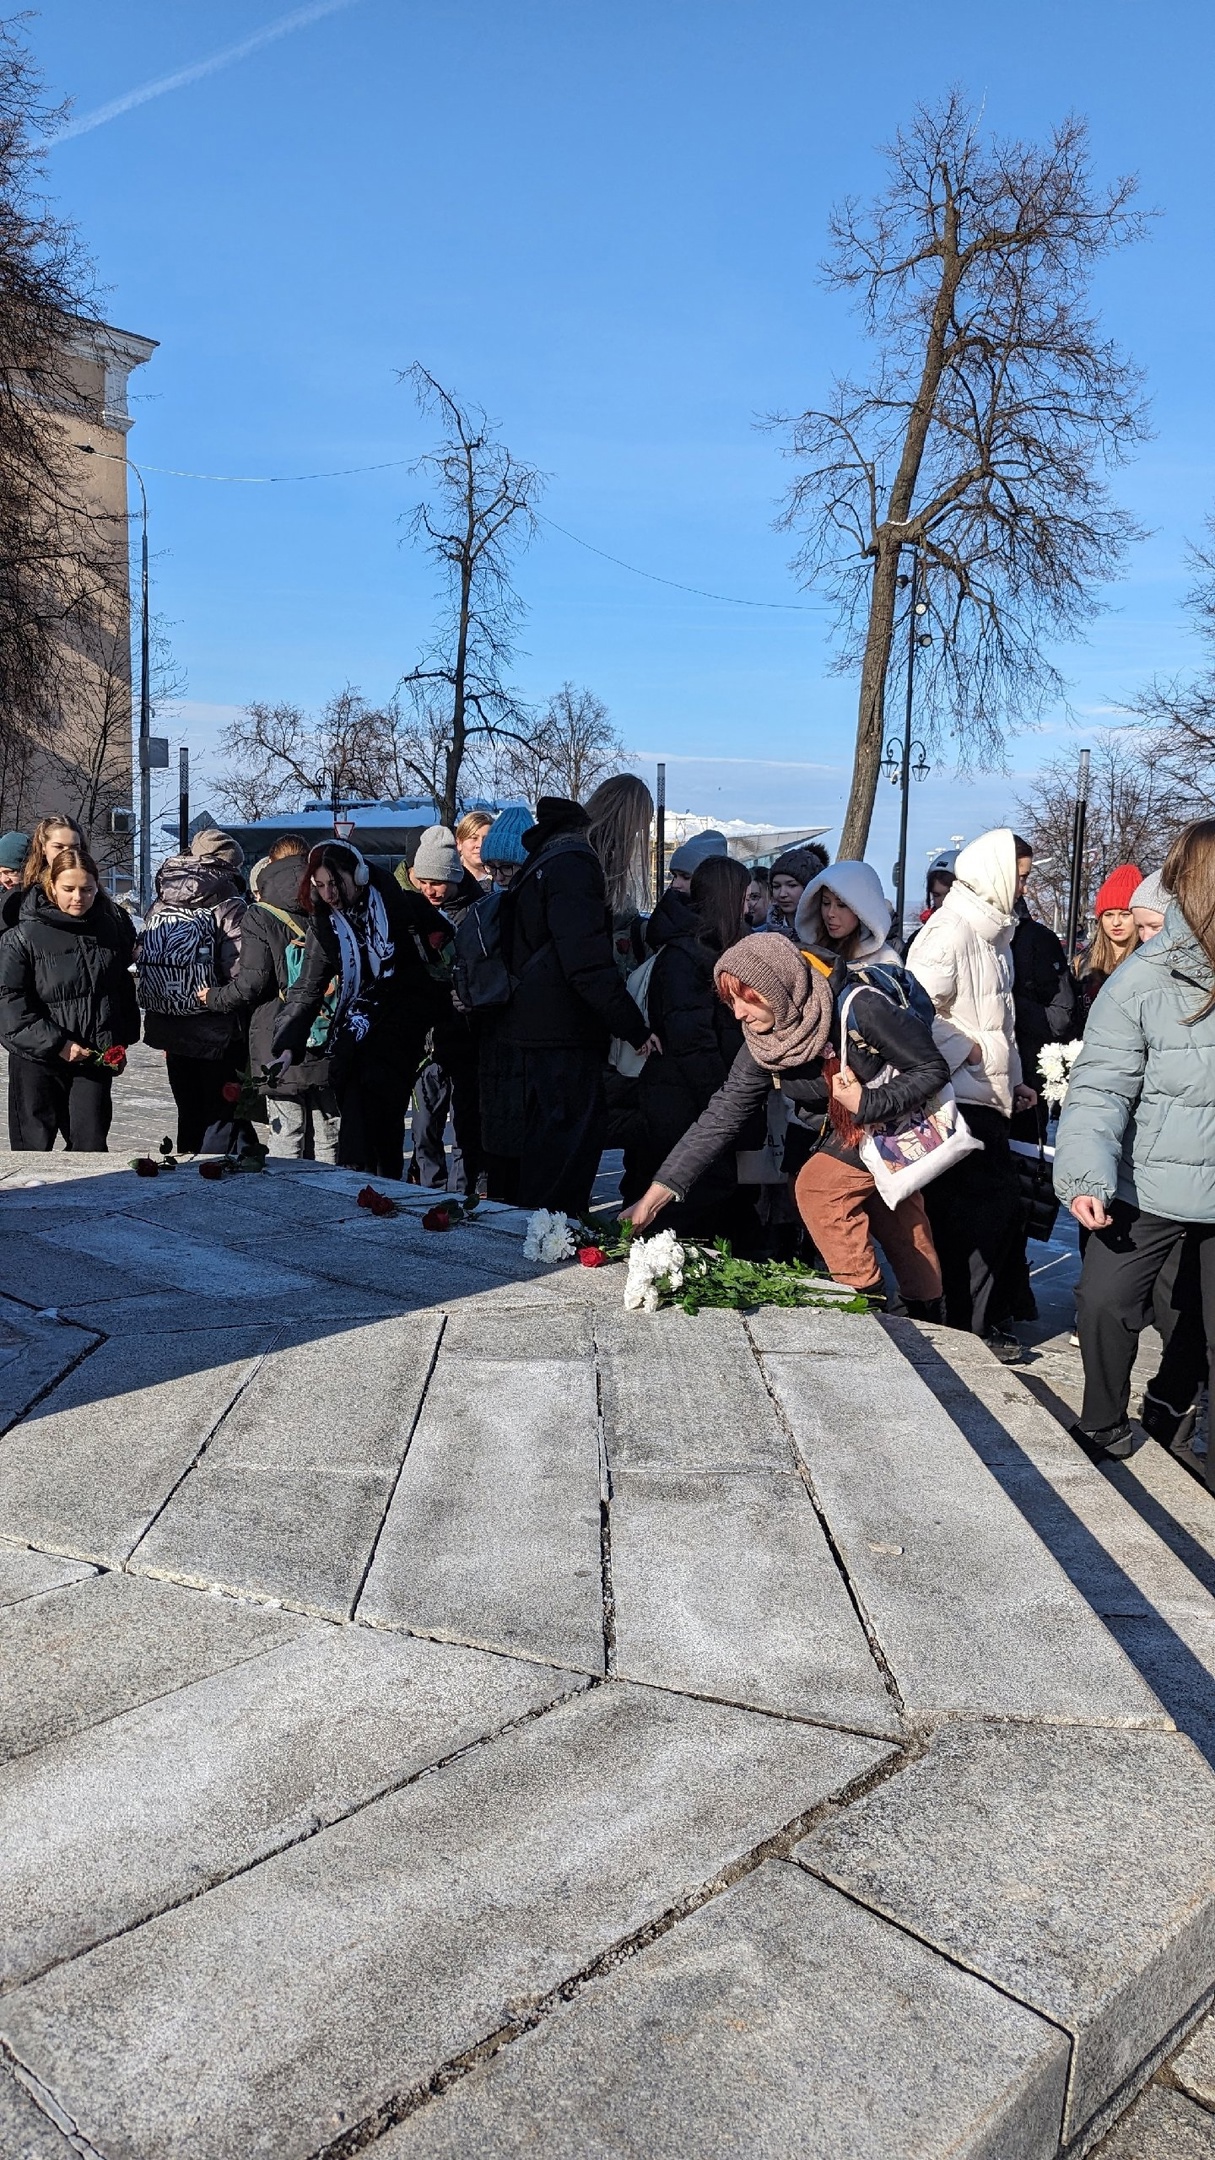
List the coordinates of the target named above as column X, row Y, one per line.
column 798, row 995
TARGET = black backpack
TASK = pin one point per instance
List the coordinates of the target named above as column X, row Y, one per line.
column 481, row 976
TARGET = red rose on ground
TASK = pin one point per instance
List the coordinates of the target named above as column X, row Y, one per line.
column 231, row 1091
column 210, row 1169
column 145, row 1167
column 368, row 1197
column 591, row 1256
column 436, row 1218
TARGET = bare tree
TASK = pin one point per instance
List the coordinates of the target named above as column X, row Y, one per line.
column 1135, row 810
column 281, row 758
column 980, row 437
column 1179, row 712
column 480, row 512
column 568, row 749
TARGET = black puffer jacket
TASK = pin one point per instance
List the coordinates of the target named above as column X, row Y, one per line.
column 66, row 978
column 673, row 917
column 182, row 884
column 1044, row 992
column 557, row 941
column 408, row 999
column 259, row 986
column 880, row 1033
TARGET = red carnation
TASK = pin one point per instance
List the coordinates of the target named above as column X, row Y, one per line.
column 368, row 1196
column 231, row 1091
column 436, row 1218
column 591, row 1256
column 210, row 1169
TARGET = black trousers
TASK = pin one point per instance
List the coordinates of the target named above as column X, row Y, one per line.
column 975, row 1213
column 1114, row 1302
column 198, row 1090
column 443, row 1085
column 564, row 1128
column 373, row 1082
column 46, row 1100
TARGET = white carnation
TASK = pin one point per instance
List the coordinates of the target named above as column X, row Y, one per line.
column 655, row 1265
column 1055, row 1061
column 549, row 1238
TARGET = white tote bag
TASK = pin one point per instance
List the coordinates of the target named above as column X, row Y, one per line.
column 907, row 1153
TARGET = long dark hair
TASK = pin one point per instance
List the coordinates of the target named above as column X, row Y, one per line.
column 717, row 891
column 1189, row 874
column 620, row 811
column 330, row 856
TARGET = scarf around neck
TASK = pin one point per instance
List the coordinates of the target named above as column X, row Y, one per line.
column 798, row 993
column 365, row 945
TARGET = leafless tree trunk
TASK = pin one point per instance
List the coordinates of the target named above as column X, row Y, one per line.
column 481, row 511
column 980, row 437
column 1135, row 810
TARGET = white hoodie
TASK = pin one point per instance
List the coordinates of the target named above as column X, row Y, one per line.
column 962, row 958
column 860, row 888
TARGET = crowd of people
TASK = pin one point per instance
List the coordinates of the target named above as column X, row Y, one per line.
column 774, row 1065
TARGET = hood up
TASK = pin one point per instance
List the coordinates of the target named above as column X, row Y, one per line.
column 279, row 884
column 858, row 885
column 988, row 867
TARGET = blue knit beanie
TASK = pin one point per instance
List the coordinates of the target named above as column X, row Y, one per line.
column 503, row 843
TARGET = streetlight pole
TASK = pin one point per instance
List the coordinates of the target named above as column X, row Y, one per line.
column 145, row 684
column 1079, row 819
column 899, row 764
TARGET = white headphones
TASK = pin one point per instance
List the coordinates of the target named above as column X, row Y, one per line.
column 362, row 875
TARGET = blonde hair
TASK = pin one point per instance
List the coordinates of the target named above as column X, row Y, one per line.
column 1103, row 955
column 36, row 860
column 1189, row 875
column 619, row 814
column 472, row 822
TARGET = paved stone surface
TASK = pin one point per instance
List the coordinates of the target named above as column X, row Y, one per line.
column 1194, row 2067
column 987, row 1848
column 1161, row 2125
column 332, row 1978
column 683, row 1393
column 80, row 1655
column 732, row 2035
column 94, row 1462
column 972, row 1611
column 493, row 1535
column 724, row 1584
column 34, row 1353
column 25, row 2132
column 150, row 1808
column 27, row 1574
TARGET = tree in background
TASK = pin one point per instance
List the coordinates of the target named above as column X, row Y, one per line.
column 567, row 750
column 1135, row 810
column 481, row 511
column 1179, row 713
column 979, row 437
column 282, row 758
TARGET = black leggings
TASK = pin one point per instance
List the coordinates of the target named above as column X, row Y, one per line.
column 51, row 1099
column 1114, row 1302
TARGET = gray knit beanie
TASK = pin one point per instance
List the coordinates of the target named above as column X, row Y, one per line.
column 1151, row 894
column 690, row 854
column 438, row 857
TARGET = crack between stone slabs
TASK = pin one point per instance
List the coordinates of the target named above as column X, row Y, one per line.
column 778, row 1845
column 60, row 1377
column 392, row 1490
column 316, row 1826
column 276, row 1339
column 515, row 1653
column 1153, row 2068
column 47, row 2105
column 910, row 1740
column 803, row 1471
column 605, row 1521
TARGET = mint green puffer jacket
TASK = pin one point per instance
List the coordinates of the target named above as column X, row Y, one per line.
column 1139, row 1120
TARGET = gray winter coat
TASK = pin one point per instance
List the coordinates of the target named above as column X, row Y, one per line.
column 1139, row 1119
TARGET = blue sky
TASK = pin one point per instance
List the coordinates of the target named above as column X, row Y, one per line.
column 603, row 222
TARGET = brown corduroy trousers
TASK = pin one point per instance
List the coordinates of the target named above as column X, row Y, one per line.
column 840, row 1206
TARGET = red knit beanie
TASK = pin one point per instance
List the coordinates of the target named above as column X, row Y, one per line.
column 1117, row 889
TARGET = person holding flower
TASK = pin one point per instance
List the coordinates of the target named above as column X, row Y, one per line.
column 67, row 1007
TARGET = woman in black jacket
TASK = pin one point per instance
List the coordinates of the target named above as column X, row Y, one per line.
column 791, row 1008
column 66, row 998
column 274, row 931
column 700, row 1040
column 390, row 953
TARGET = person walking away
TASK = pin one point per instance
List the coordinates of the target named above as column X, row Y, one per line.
column 302, row 1108
column 759, row 899
column 688, row 857
column 700, row 1040
column 389, row 952
column 791, row 1022
column 190, row 941
column 567, row 1002
column 470, row 834
column 67, row 1003
column 962, row 956
column 1115, row 938
column 1135, row 1153
column 500, row 1063
column 447, row 1082
column 787, row 881
column 14, row 847
column 619, row 814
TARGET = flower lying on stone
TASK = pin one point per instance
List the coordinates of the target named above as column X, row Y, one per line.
column 143, row 1166
column 549, row 1237
column 591, row 1256
column 655, row 1266
column 437, row 1218
column 211, row 1169
column 377, row 1203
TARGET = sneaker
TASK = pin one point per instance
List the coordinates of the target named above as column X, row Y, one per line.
column 1115, row 1441
column 1005, row 1347
column 1073, row 1342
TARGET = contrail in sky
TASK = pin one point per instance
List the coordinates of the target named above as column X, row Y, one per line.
column 297, row 20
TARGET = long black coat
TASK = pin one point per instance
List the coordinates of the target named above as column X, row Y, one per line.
column 259, row 986
column 1045, row 997
column 66, row 978
column 557, row 940
column 700, row 1040
column 409, row 999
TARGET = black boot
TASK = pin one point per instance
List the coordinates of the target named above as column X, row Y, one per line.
column 927, row 1308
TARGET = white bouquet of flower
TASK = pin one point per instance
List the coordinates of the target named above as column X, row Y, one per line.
column 1055, row 1063
column 549, row 1238
column 655, row 1265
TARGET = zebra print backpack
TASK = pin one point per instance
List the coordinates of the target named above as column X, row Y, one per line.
column 175, row 958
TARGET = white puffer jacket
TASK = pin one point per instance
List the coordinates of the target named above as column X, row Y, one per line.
column 962, row 958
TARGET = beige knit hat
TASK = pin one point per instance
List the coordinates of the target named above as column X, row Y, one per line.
column 214, row 846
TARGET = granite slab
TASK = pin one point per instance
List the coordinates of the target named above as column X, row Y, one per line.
column 25, row 1573
column 685, row 1393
